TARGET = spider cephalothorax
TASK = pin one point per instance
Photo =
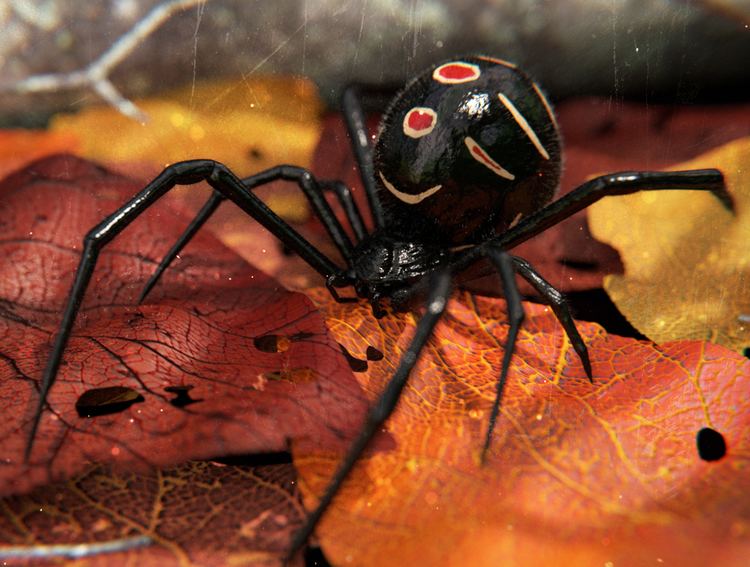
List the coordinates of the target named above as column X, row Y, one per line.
column 465, row 150
column 466, row 163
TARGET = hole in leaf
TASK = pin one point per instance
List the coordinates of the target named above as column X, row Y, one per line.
column 135, row 318
column 746, row 352
column 105, row 401
column 711, row 444
column 255, row 459
column 356, row 364
column 254, row 153
column 374, row 354
column 182, row 396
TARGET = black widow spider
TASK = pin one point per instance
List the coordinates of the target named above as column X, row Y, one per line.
column 465, row 167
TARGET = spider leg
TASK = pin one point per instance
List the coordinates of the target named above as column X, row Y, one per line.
column 351, row 210
column 357, row 128
column 559, row 305
column 183, row 173
column 359, row 136
column 312, row 190
column 504, row 265
column 195, row 225
column 440, row 285
column 622, row 183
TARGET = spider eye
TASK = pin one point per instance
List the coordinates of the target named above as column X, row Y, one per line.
column 419, row 121
column 456, row 72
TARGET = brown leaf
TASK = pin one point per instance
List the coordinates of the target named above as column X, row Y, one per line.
column 578, row 473
column 200, row 513
column 686, row 257
column 189, row 351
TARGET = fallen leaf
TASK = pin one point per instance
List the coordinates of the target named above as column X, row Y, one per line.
column 248, row 125
column 686, row 258
column 194, row 334
column 200, row 513
column 578, row 473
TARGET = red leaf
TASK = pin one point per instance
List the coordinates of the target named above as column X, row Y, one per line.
column 193, row 339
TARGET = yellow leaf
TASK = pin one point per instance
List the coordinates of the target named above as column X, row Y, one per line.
column 248, row 125
column 687, row 260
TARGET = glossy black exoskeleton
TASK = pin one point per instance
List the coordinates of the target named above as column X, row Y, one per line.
column 464, row 151
column 466, row 164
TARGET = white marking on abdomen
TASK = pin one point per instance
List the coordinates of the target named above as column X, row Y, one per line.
column 478, row 153
column 497, row 61
column 519, row 118
column 408, row 198
column 546, row 104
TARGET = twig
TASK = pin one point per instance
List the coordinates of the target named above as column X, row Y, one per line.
column 74, row 551
column 95, row 75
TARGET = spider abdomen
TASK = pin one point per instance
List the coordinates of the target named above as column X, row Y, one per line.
column 465, row 150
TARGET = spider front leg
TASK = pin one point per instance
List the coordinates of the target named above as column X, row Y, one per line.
column 623, row 183
column 312, row 189
column 504, row 266
column 440, row 287
column 208, row 209
column 507, row 266
column 613, row 184
column 559, row 306
column 359, row 136
column 183, row 173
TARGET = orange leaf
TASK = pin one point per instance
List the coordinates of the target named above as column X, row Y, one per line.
column 578, row 473
column 19, row 147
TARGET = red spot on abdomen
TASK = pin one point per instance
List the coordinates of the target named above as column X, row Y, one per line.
column 419, row 121
column 456, row 72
